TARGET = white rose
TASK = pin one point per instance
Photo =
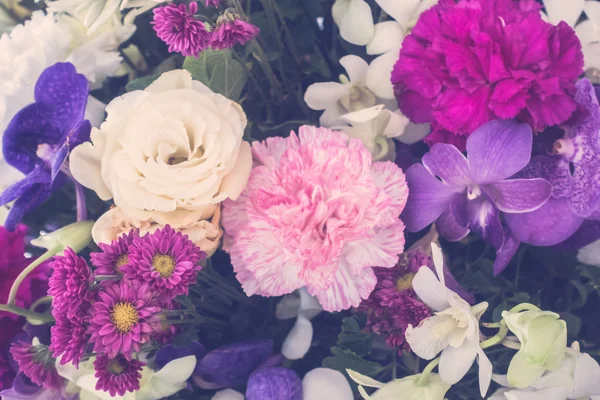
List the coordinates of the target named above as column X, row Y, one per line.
column 170, row 153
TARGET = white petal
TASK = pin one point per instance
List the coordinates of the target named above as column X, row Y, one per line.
column 88, row 383
column 414, row 133
column 332, row 117
column 422, row 339
column 357, row 25
column 388, row 36
column 324, row 95
column 591, row 53
column 561, row 10
column 379, row 75
column 235, row 181
column 401, row 10
column 590, row 254
column 455, row 362
column 356, row 68
column 395, row 124
column 485, row 371
column 85, row 162
column 298, row 341
column 339, row 10
column 94, row 111
column 364, row 380
column 309, row 305
column 228, row 394
column 288, row 307
column 430, row 290
column 178, row 370
column 587, row 377
column 363, row 116
column 592, row 10
column 326, row 384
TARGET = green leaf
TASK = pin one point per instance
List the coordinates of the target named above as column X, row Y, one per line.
column 343, row 358
column 354, row 339
column 141, row 83
column 573, row 323
column 219, row 71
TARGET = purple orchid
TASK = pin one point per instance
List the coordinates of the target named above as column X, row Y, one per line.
column 38, row 139
column 575, row 202
column 463, row 195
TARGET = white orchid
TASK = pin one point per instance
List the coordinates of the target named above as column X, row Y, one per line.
column 578, row 377
column 588, row 31
column 414, row 387
column 304, row 307
column 154, row 385
column 453, row 330
column 318, row 384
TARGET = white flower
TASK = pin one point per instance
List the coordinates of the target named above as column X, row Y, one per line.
column 170, row 153
column 115, row 223
column 578, row 377
column 590, row 254
column 453, row 330
column 304, row 307
column 588, row 31
column 318, row 384
column 412, row 387
column 154, row 385
column 543, row 338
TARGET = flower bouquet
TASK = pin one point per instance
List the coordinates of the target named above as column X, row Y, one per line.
column 299, row 199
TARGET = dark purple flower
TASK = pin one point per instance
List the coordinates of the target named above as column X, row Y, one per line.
column 232, row 30
column 230, row 366
column 38, row 139
column 166, row 260
column 123, row 318
column 24, row 389
column 463, row 195
column 37, row 363
column 117, row 375
column 274, row 383
column 467, row 62
column 69, row 284
column 114, row 255
column 575, row 194
column 176, row 26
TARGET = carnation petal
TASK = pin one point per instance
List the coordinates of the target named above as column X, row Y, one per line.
column 498, row 150
column 388, row 176
column 347, row 289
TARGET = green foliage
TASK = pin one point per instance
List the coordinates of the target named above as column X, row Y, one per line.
column 354, row 339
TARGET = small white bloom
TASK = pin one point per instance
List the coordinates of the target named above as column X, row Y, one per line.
column 411, row 387
column 453, row 330
column 590, row 254
column 228, row 394
column 326, row 384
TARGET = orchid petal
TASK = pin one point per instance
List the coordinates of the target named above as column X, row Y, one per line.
column 498, row 150
column 379, row 75
column 177, row 371
column 587, row 377
column 521, row 373
column 364, row 380
column 449, row 228
column 485, row 371
column 388, row 36
column 299, row 339
column 402, row 11
column 430, row 290
column 592, row 11
column 326, row 384
column 456, row 362
column 422, row 339
column 357, row 25
column 339, row 10
column 447, row 163
column 428, row 198
column 320, row 96
column 505, row 253
column 519, row 195
column 559, row 10
column 356, row 68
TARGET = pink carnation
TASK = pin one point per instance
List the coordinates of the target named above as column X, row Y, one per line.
column 468, row 62
column 317, row 212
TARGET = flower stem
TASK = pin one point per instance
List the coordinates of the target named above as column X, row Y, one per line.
column 524, row 307
column 497, row 338
column 425, row 374
column 41, row 300
column 12, row 296
column 81, row 203
column 26, row 313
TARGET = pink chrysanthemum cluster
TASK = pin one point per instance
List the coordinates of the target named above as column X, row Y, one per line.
column 393, row 304
column 467, row 62
column 177, row 26
column 317, row 212
column 116, row 310
column 36, row 362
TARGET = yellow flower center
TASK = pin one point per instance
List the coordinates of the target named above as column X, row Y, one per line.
column 115, row 367
column 124, row 316
column 163, row 264
column 405, row 282
column 122, row 260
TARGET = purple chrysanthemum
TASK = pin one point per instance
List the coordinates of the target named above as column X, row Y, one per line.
column 123, row 318
column 176, row 26
column 231, row 31
column 36, row 362
column 113, row 255
column 69, row 337
column 393, row 304
column 69, row 284
column 468, row 62
column 166, row 260
column 117, row 375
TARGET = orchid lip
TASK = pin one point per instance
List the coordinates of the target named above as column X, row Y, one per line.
column 473, row 192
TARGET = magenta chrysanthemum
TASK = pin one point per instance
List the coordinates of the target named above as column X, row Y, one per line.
column 36, row 362
column 393, row 304
column 228, row 33
column 176, row 26
column 317, row 213
column 117, row 375
column 166, row 260
column 113, row 255
column 70, row 283
column 69, row 338
column 123, row 318
column 468, row 62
